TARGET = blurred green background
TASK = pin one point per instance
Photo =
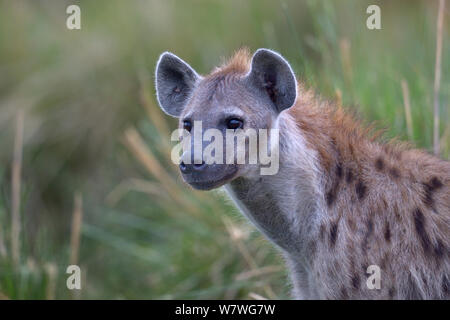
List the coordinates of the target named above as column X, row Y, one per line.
column 93, row 132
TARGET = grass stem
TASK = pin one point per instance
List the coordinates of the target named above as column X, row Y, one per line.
column 77, row 220
column 437, row 76
column 407, row 105
column 15, row 193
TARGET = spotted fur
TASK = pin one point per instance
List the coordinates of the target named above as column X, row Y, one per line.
column 343, row 200
column 388, row 204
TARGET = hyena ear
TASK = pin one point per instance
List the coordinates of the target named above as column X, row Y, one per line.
column 272, row 74
column 175, row 81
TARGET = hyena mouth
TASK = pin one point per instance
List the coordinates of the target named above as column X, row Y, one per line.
column 209, row 183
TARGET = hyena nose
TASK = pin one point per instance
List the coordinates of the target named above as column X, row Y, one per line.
column 186, row 168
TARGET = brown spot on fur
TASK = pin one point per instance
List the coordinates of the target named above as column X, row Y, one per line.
column 387, row 232
column 339, row 170
column 351, row 223
column 439, row 249
column 419, row 223
column 330, row 196
column 352, row 152
column 379, row 164
column 445, row 284
column 435, row 183
column 355, row 281
column 333, row 233
column 322, row 232
column 365, row 266
column 424, row 279
column 344, row 294
column 397, row 215
column 312, row 249
column 394, row 173
column 393, row 151
column 428, row 195
column 349, row 176
column 429, row 188
column 385, row 205
column 360, row 190
column 383, row 262
column 391, row 292
column 333, row 143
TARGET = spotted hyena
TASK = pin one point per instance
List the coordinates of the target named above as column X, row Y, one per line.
column 341, row 200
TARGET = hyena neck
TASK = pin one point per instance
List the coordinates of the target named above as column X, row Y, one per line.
column 284, row 206
column 288, row 207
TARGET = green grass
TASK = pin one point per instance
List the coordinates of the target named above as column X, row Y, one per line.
column 82, row 89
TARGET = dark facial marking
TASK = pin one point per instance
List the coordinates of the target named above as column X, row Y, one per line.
column 333, row 233
column 379, row 164
column 419, row 223
column 387, row 233
column 360, row 190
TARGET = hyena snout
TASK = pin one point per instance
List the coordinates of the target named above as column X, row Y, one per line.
column 203, row 175
column 189, row 167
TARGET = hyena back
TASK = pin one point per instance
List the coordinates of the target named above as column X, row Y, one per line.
column 341, row 200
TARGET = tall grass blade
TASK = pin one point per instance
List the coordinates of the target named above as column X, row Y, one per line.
column 15, row 183
column 77, row 220
column 437, row 76
column 407, row 105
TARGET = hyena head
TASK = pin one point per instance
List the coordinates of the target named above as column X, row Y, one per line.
column 247, row 93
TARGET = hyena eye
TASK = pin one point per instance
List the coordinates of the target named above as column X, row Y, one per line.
column 235, row 123
column 187, row 125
